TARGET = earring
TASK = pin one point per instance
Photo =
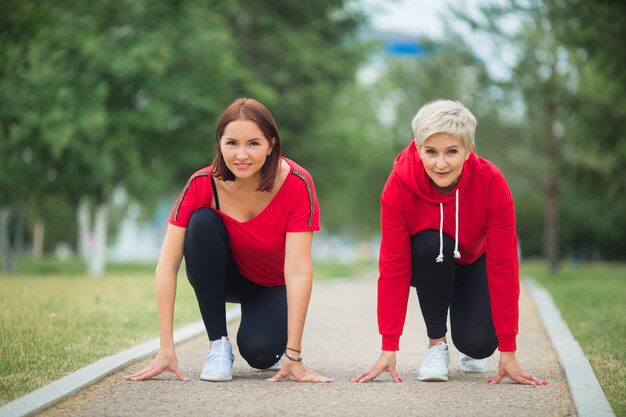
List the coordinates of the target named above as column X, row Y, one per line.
column 269, row 154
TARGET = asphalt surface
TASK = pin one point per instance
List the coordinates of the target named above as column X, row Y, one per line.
column 341, row 338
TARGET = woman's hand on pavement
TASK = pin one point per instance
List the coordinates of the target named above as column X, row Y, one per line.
column 164, row 361
column 509, row 367
column 386, row 363
column 296, row 371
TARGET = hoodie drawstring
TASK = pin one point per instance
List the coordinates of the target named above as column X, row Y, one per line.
column 457, row 254
column 440, row 257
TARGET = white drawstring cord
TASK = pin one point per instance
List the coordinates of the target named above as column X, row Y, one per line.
column 457, row 254
column 440, row 257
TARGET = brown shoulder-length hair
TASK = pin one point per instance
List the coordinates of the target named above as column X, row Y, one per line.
column 249, row 109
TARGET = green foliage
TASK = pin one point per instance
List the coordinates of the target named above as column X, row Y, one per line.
column 303, row 65
column 596, row 27
column 98, row 96
column 568, row 108
column 101, row 95
column 352, row 162
column 375, row 121
column 592, row 298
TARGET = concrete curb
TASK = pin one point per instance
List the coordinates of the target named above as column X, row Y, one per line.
column 61, row 389
column 589, row 399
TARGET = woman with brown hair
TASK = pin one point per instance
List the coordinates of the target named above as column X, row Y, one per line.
column 244, row 226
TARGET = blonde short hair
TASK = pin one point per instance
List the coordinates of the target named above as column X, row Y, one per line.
column 444, row 116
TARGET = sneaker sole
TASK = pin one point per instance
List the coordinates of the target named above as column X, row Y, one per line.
column 432, row 378
column 473, row 370
column 222, row 378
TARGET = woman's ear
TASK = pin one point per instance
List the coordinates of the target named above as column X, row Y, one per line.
column 272, row 143
column 469, row 151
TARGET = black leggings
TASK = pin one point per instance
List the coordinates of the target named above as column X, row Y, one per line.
column 462, row 288
column 215, row 278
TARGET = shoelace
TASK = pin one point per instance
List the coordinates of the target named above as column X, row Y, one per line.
column 219, row 356
column 435, row 354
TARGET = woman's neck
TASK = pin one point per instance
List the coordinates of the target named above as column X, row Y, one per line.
column 444, row 190
column 247, row 185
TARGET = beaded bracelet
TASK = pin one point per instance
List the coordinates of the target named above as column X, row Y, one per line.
column 291, row 358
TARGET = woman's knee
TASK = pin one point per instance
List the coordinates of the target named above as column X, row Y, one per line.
column 260, row 352
column 205, row 229
column 205, row 220
column 476, row 347
column 425, row 244
column 206, row 247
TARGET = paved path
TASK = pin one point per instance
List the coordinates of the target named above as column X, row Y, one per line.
column 341, row 338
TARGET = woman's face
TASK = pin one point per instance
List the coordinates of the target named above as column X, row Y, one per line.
column 443, row 155
column 245, row 149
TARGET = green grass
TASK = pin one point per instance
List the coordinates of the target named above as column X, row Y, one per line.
column 592, row 300
column 328, row 270
column 54, row 319
column 51, row 325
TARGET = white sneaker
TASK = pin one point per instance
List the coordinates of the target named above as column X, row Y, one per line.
column 469, row 364
column 219, row 364
column 277, row 366
column 435, row 365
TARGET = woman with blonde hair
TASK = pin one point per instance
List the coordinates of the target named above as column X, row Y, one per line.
column 448, row 229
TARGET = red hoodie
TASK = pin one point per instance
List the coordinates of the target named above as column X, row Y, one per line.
column 486, row 223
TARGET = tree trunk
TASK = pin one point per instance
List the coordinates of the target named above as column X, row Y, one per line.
column 97, row 260
column 83, row 215
column 38, row 238
column 552, row 194
column 92, row 238
column 9, row 255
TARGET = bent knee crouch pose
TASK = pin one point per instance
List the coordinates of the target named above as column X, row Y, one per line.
column 461, row 289
column 448, row 229
column 244, row 226
column 215, row 278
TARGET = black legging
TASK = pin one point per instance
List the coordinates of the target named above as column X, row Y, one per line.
column 462, row 288
column 215, row 278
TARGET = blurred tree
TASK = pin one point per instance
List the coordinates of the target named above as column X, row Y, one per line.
column 540, row 75
column 449, row 69
column 372, row 121
column 352, row 168
column 108, row 95
column 302, row 54
column 25, row 168
column 596, row 27
column 595, row 32
column 568, row 75
column 114, row 95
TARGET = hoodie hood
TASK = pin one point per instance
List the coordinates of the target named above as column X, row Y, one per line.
column 409, row 168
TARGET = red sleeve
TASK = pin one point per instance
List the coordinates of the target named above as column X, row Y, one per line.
column 503, row 263
column 394, row 266
column 196, row 193
column 304, row 215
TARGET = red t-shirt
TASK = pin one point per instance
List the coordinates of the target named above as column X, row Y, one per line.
column 258, row 245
